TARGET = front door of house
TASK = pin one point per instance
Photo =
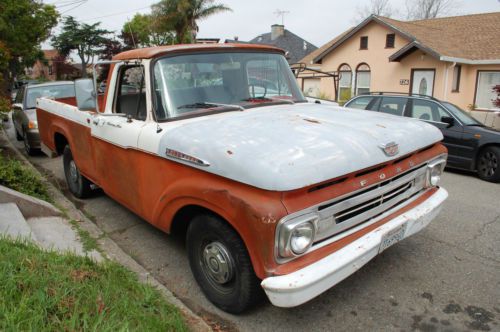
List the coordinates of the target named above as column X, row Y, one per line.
column 422, row 81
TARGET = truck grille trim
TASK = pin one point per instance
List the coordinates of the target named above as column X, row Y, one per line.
column 362, row 206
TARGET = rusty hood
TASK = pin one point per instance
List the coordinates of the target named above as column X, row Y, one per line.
column 287, row 147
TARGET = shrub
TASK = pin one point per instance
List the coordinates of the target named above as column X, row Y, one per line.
column 496, row 89
column 4, row 108
column 14, row 175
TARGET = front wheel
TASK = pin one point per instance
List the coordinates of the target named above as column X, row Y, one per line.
column 77, row 183
column 488, row 164
column 221, row 265
column 27, row 146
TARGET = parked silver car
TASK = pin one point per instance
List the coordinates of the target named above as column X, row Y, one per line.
column 24, row 109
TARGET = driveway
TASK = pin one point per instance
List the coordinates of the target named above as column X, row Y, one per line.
column 446, row 278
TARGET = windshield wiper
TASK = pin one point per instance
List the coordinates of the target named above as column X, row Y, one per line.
column 210, row 105
column 476, row 125
column 274, row 100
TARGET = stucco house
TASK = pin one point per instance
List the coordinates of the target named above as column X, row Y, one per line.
column 456, row 59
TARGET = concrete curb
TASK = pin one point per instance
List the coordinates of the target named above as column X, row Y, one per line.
column 30, row 206
column 110, row 249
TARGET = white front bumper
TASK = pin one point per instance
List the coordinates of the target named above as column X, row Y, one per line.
column 301, row 286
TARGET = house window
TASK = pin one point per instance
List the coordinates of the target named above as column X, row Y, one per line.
column 457, row 71
column 485, row 95
column 50, row 70
column 363, row 43
column 362, row 79
column 345, row 83
column 389, row 40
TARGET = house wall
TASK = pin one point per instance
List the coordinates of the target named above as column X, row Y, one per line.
column 41, row 70
column 387, row 76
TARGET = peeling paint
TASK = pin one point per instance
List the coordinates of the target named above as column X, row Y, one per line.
column 269, row 219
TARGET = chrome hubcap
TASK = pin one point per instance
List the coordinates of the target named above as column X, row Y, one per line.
column 73, row 171
column 217, row 263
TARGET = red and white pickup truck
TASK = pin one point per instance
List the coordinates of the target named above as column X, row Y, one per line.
column 273, row 193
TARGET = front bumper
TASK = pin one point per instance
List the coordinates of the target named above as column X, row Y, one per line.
column 301, row 286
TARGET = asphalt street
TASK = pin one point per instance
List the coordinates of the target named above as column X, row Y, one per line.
column 446, row 278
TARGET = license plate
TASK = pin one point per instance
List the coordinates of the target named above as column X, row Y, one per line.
column 392, row 237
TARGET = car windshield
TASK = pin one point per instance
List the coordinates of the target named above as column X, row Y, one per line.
column 199, row 83
column 48, row 91
column 465, row 118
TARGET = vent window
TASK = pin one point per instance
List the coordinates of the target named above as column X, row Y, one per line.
column 363, row 43
column 389, row 40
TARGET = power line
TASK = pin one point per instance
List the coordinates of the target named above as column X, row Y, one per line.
column 115, row 14
column 82, row 2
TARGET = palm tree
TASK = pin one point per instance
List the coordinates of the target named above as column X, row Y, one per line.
column 181, row 16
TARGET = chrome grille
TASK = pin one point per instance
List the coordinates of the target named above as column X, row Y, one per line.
column 359, row 207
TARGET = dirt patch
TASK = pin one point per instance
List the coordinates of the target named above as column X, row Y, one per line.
column 81, row 275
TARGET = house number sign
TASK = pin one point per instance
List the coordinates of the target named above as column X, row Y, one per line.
column 404, row 82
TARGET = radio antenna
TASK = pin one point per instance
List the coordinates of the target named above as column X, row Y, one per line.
column 131, row 33
column 281, row 13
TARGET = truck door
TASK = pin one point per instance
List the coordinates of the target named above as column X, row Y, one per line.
column 116, row 133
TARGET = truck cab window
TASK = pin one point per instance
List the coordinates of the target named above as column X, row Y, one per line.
column 131, row 92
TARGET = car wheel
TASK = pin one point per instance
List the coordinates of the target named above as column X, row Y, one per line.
column 221, row 265
column 27, row 147
column 77, row 183
column 19, row 137
column 488, row 164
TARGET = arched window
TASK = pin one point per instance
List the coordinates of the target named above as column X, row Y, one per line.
column 345, row 82
column 362, row 79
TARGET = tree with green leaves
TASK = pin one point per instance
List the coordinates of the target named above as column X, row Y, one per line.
column 142, row 31
column 24, row 25
column 87, row 40
column 181, row 16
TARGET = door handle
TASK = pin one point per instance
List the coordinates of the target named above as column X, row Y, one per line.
column 98, row 121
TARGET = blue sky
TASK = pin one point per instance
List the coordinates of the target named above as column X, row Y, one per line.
column 317, row 21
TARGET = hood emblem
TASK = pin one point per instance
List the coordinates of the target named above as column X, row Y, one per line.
column 390, row 149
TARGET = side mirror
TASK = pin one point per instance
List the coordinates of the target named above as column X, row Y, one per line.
column 448, row 120
column 17, row 106
column 85, row 94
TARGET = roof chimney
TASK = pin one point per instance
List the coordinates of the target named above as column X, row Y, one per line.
column 277, row 30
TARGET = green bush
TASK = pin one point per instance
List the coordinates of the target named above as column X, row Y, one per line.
column 4, row 108
column 14, row 175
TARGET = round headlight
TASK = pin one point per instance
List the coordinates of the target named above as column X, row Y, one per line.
column 435, row 175
column 434, row 171
column 302, row 238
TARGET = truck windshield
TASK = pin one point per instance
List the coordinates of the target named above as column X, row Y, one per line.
column 200, row 83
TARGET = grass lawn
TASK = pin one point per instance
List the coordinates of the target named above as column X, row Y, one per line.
column 47, row 291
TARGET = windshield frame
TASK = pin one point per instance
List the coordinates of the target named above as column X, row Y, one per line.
column 218, row 110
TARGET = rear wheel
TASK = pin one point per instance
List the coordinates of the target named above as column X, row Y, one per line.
column 488, row 164
column 221, row 265
column 77, row 183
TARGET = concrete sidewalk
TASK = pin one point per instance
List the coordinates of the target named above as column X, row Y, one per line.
column 23, row 216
